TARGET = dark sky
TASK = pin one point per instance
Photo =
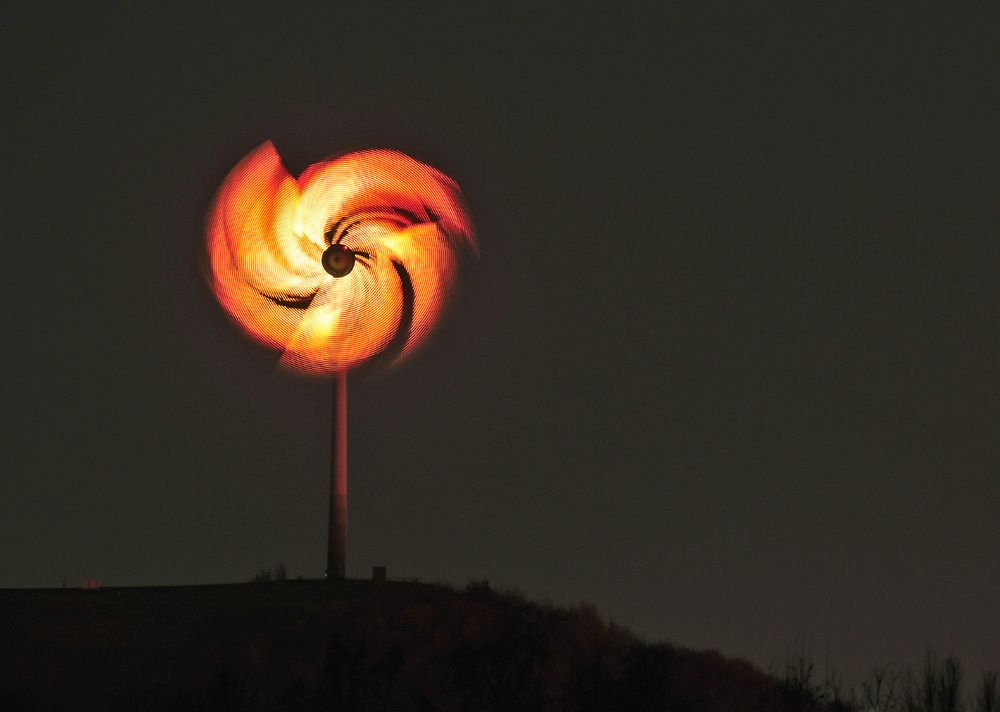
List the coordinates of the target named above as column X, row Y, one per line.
column 727, row 366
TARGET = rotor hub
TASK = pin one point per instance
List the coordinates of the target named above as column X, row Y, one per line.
column 338, row 260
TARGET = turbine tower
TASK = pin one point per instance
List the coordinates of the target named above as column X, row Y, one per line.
column 349, row 264
column 336, row 543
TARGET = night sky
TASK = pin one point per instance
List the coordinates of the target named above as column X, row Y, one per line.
column 727, row 366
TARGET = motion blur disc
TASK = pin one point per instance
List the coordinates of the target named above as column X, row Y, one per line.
column 353, row 259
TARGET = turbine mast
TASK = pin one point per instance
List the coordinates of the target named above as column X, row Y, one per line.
column 336, row 554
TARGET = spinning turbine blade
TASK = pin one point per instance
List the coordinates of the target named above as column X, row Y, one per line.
column 267, row 233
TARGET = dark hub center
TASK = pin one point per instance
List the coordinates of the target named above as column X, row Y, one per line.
column 338, row 260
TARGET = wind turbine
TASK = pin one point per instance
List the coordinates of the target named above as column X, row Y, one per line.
column 350, row 263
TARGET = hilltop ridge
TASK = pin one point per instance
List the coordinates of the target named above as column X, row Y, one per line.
column 346, row 645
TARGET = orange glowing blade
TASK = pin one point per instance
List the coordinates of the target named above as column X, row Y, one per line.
column 403, row 223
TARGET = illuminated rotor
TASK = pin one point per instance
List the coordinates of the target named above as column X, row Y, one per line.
column 354, row 258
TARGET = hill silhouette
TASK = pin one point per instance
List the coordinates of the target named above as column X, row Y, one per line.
column 350, row 645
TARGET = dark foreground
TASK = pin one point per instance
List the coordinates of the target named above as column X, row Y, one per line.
column 350, row 645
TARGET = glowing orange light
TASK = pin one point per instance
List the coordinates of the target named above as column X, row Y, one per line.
column 275, row 269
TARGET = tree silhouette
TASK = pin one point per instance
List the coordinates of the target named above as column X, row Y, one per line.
column 987, row 695
column 938, row 687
